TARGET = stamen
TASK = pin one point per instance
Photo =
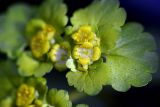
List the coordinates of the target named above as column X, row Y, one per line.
column 84, row 34
column 87, row 48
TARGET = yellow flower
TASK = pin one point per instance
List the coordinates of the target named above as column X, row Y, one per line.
column 59, row 52
column 84, row 34
column 41, row 35
column 25, row 95
column 37, row 25
column 87, row 47
column 40, row 45
column 49, row 31
column 96, row 53
column 37, row 103
column 53, row 54
column 34, row 26
column 86, row 54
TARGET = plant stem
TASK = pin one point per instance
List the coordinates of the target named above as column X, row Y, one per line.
column 75, row 96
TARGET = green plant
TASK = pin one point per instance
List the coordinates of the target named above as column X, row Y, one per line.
column 98, row 48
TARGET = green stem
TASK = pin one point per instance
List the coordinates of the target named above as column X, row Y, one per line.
column 75, row 96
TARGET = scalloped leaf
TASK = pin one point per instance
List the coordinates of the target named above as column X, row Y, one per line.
column 82, row 105
column 12, row 41
column 105, row 17
column 91, row 81
column 54, row 13
column 58, row 98
column 133, row 59
column 28, row 66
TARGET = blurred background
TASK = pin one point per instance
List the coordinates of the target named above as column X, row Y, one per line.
column 146, row 12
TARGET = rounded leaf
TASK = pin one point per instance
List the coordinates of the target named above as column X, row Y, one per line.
column 58, row 98
column 133, row 59
column 28, row 66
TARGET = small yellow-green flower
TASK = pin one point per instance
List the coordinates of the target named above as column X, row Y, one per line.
column 41, row 42
column 59, row 54
column 84, row 34
column 37, row 103
column 49, row 31
column 39, row 45
column 53, row 54
column 25, row 95
column 86, row 54
column 40, row 31
column 37, row 25
column 87, row 47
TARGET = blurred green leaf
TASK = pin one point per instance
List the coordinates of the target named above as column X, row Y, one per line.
column 9, row 77
column 12, row 41
column 58, row 98
column 9, row 80
column 6, row 102
column 28, row 66
column 54, row 12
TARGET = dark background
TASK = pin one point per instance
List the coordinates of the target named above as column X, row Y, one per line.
column 146, row 12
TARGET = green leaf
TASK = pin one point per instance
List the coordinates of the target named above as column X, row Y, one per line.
column 105, row 17
column 91, row 81
column 58, row 98
column 5, row 68
column 7, row 102
column 133, row 59
column 12, row 41
column 54, row 13
column 28, row 66
column 10, row 78
column 19, row 14
column 82, row 105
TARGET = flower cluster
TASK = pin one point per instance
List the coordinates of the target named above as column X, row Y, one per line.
column 45, row 46
column 98, row 48
column 41, row 42
column 25, row 96
column 87, row 47
column 21, row 91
